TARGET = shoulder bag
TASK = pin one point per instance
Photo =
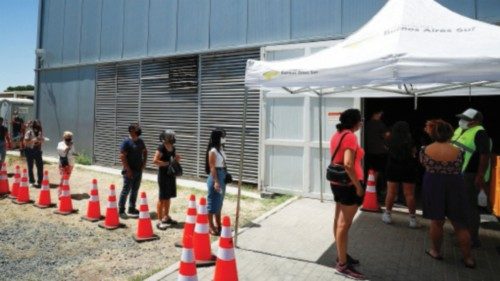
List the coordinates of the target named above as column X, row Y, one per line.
column 336, row 172
column 174, row 168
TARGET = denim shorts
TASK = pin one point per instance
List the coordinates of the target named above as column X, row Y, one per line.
column 214, row 198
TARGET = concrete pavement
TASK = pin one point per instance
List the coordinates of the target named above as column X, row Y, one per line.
column 295, row 243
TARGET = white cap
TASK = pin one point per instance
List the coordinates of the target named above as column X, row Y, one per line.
column 471, row 115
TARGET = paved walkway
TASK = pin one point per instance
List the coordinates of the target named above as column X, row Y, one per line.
column 295, row 243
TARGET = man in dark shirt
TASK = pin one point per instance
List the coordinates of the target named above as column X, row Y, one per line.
column 4, row 141
column 133, row 155
column 17, row 125
column 376, row 133
column 474, row 140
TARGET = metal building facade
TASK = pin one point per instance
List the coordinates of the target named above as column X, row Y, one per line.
column 176, row 64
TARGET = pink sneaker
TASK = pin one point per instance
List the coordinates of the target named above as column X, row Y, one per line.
column 348, row 271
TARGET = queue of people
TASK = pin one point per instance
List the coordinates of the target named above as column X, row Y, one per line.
column 456, row 165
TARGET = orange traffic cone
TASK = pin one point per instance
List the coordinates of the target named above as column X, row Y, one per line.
column 144, row 226
column 187, row 266
column 370, row 203
column 4, row 181
column 189, row 223
column 225, row 267
column 111, row 221
column 65, row 203
column 44, row 197
column 201, row 238
column 15, row 185
column 93, row 206
column 23, row 193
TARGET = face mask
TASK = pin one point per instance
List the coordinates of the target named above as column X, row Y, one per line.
column 138, row 132
column 68, row 140
column 222, row 140
column 464, row 124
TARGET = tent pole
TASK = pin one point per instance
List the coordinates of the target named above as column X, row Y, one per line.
column 240, row 172
column 320, row 115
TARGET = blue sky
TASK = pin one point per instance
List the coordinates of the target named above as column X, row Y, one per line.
column 18, row 24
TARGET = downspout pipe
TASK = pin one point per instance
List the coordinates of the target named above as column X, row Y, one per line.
column 38, row 59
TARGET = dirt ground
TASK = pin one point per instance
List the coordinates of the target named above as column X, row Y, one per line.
column 36, row 244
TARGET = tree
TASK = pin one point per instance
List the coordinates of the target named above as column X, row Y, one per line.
column 20, row 88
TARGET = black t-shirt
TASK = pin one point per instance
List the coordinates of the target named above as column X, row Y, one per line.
column 134, row 151
column 3, row 133
column 17, row 124
column 375, row 131
column 482, row 141
column 165, row 155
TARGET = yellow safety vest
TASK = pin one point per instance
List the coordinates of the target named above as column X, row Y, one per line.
column 466, row 141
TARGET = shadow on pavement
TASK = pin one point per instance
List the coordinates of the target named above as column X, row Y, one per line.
column 80, row 196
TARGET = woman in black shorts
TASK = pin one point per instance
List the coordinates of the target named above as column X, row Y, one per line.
column 401, row 169
column 346, row 151
column 164, row 155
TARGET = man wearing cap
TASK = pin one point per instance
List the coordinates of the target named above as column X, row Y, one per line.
column 473, row 139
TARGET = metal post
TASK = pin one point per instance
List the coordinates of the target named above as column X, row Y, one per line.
column 240, row 176
column 320, row 113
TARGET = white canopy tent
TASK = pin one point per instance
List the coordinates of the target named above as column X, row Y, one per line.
column 410, row 47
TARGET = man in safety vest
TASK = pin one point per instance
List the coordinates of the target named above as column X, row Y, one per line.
column 471, row 137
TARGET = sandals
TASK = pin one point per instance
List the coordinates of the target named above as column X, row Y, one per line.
column 470, row 265
column 350, row 260
column 214, row 232
column 438, row 257
column 171, row 221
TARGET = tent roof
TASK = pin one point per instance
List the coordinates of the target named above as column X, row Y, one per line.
column 415, row 42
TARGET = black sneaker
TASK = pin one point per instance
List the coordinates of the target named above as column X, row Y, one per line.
column 122, row 214
column 350, row 260
column 133, row 212
column 348, row 271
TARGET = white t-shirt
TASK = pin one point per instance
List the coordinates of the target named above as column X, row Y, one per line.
column 220, row 156
column 61, row 149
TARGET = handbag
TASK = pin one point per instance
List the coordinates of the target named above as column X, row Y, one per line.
column 174, row 168
column 336, row 172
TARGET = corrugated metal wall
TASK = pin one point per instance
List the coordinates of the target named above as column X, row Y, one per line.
column 66, row 103
column 77, row 31
column 166, row 94
column 222, row 90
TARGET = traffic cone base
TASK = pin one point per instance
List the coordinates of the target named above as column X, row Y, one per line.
column 145, row 239
column 15, row 201
column 51, row 205
column 92, row 219
column 58, row 212
column 5, row 195
column 203, row 263
column 111, row 227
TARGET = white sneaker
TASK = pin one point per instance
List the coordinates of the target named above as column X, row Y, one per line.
column 413, row 223
column 386, row 217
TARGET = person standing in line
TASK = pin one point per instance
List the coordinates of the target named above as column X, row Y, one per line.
column 165, row 155
column 4, row 141
column 66, row 151
column 376, row 133
column 133, row 155
column 444, row 191
column 401, row 169
column 346, row 151
column 17, row 131
column 215, row 167
column 34, row 140
column 474, row 140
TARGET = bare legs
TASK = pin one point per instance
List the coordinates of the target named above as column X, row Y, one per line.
column 409, row 190
column 163, row 209
column 342, row 222
column 463, row 236
column 216, row 225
